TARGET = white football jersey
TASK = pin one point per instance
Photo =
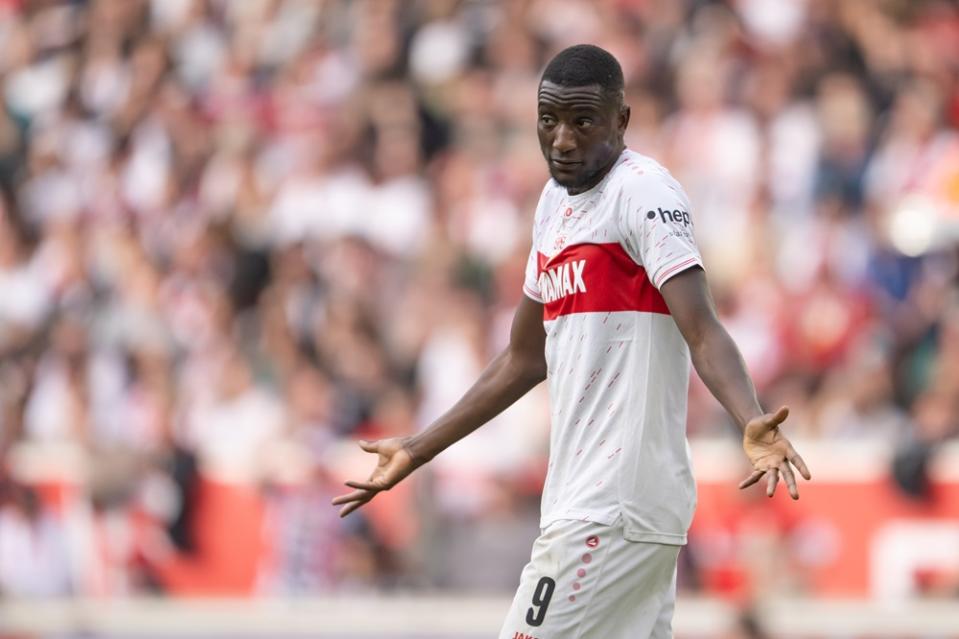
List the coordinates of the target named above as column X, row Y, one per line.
column 618, row 365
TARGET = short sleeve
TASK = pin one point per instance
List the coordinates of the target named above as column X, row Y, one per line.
column 531, row 281
column 657, row 226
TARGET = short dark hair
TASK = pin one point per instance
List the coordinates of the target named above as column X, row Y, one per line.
column 585, row 64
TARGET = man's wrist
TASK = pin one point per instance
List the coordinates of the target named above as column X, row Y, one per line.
column 747, row 417
column 418, row 450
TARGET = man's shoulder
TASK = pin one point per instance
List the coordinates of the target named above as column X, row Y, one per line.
column 550, row 190
column 636, row 169
column 642, row 176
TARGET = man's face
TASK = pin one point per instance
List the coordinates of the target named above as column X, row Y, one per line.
column 580, row 133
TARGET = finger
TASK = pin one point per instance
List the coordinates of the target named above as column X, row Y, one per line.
column 800, row 465
column 346, row 510
column 364, row 485
column 771, row 480
column 370, row 447
column 779, row 416
column 353, row 496
column 790, row 480
column 752, row 479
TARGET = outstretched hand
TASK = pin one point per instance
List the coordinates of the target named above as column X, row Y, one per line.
column 770, row 453
column 395, row 463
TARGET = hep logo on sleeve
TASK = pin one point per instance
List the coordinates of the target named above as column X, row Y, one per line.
column 676, row 216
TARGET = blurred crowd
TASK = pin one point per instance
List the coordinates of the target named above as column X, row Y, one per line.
column 236, row 236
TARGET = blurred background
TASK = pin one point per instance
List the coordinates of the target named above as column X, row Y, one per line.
column 237, row 235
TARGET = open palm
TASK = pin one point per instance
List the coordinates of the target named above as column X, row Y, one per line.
column 771, row 454
column 394, row 464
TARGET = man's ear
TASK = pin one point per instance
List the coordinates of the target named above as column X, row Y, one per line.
column 623, row 119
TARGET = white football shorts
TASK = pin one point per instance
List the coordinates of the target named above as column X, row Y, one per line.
column 585, row 581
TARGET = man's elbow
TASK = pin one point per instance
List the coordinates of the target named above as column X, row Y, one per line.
column 528, row 367
column 711, row 344
column 704, row 337
column 536, row 371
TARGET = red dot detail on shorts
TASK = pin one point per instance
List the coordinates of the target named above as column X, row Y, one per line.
column 581, row 572
column 587, row 558
column 577, row 585
column 572, row 597
column 592, row 541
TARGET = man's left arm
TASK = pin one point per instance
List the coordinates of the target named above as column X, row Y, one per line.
column 721, row 367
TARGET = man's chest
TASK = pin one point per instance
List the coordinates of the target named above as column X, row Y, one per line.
column 582, row 263
column 564, row 223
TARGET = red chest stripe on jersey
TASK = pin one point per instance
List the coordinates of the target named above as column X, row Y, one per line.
column 595, row 278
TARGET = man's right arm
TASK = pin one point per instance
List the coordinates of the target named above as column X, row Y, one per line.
column 511, row 374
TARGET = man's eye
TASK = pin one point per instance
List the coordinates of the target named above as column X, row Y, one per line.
column 546, row 120
column 584, row 122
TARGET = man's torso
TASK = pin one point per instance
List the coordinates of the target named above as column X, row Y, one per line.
column 618, row 366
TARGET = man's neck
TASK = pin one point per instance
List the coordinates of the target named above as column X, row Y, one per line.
column 596, row 179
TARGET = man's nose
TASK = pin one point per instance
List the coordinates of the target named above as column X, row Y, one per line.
column 564, row 141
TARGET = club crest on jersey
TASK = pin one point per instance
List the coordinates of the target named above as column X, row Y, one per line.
column 562, row 280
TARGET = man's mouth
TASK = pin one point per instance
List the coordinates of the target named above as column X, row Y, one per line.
column 565, row 164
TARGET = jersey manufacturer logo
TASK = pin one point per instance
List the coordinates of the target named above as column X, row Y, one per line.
column 522, row 635
column 560, row 281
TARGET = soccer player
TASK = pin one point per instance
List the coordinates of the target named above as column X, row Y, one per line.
column 616, row 305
